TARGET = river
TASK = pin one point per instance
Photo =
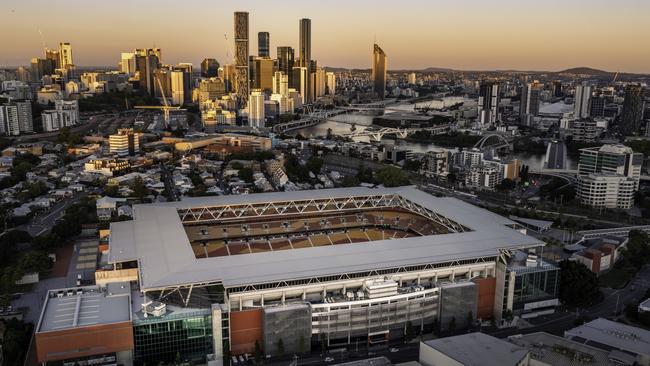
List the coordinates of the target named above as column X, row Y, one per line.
column 342, row 124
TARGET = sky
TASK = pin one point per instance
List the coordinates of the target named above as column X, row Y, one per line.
column 548, row 35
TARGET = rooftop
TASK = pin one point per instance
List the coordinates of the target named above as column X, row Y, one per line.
column 85, row 306
column 606, row 334
column 156, row 238
column 472, row 349
column 558, row 351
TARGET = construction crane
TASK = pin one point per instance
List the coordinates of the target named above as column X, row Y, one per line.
column 165, row 108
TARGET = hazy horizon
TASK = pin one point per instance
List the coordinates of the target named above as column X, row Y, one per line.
column 464, row 35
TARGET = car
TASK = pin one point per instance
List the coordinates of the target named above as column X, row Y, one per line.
column 393, row 350
column 329, row 359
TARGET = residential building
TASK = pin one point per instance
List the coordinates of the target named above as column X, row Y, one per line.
column 305, row 58
column 256, row 109
column 301, row 84
column 65, row 55
column 529, row 103
column 286, row 60
column 412, row 78
column 581, row 101
column 330, row 83
column 64, row 114
column 488, row 104
column 128, row 63
column 242, row 77
column 125, row 142
column 16, row 118
column 262, row 73
column 436, row 163
column 633, row 107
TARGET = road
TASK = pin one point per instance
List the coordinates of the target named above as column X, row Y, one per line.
column 43, row 222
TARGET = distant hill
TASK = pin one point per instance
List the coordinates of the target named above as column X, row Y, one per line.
column 585, row 71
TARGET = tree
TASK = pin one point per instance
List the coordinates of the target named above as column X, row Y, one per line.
column 245, row 174
column 578, row 285
column 314, row 165
column 280, row 346
column 408, row 331
column 506, row 185
column 35, row 261
column 47, row 242
column 392, row 177
column 138, row 188
column 412, row 165
column 111, row 190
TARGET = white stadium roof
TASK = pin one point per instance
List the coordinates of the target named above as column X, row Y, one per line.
column 157, row 240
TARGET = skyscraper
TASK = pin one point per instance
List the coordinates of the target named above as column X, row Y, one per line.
column 286, row 61
column 256, row 109
column 128, row 63
column 280, row 83
column 209, row 68
column 65, row 55
column 300, row 78
column 331, row 83
column 54, row 56
column 262, row 73
column 147, row 63
column 529, row 103
column 488, row 103
column 178, row 87
column 305, row 57
column 242, row 80
column 263, row 44
column 633, row 106
column 379, row 67
column 581, row 101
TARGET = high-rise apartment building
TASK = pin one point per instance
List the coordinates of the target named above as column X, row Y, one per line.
column 633, row 106
column 280, row 83
column 608, row 176
column 41, row 67
column 581, row 101
column 65, row 55
column 128, row 63
column 529, row 103
column 305, row 57
column 178, row 87
column 597, row 106
column 320, row 82
column 488, row 103
column 330, row 83
column 411, row 78
column 64, row 114
column 124, row 142
column 16, row 118
column 256, row 109
column 379, row 68
column 263, row 44
column 286, row 60
column 300, row 82
column 209, row 68
column 242, row 80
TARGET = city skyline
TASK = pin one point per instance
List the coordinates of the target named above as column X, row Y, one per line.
column 501, row 35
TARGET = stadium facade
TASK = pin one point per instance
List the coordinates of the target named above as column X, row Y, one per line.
column 284, row 271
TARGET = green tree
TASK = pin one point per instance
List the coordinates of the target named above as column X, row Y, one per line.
column 245, row 174
column 412, row 165
column 47, row 242
column 578, row 285
column 111, row 190
column 392, row 177
column 506, row 185
column 138, row 187
column 314, row 165
column 35, row 261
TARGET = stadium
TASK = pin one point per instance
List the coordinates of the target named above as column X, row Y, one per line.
column 225, row 275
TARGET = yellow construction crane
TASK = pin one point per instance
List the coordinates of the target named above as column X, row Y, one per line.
column 165, row 108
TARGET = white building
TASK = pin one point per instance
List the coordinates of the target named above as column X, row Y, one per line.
column 330, row 83
column 178, row 87
column 64, row 114
column 581, row 101
column 127, row 63
column 280, row 83
column 256, row 109
column 606, row 190
column 16, row 118
column 124, row 142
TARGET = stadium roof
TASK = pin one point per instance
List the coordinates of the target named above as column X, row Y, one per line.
column 157, row 240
